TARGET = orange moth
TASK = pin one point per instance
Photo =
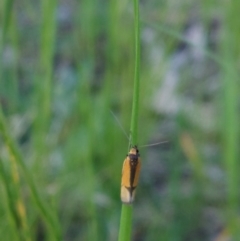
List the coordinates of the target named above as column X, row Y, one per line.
column 130, row 175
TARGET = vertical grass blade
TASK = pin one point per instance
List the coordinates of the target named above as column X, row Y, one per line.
column 10, row 209
column 231, row 51
column 44, row 80
column 125, row 223
column 16, row 209
column 126, row 215
column 19, row 206
column 8, row 4
column 135, row 105
column 7, row 9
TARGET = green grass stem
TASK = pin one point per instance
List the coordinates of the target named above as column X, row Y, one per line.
column 44, row 80
column 7, row 9
column 8, row 4
column 10, row 209
column 125, row 223
column 126, row 214
column 15, row 205
column 19, row 206
column 136, row 87
column 87, row 164
column 230, row 81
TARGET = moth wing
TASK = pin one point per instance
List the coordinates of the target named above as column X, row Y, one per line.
column 137, row 173
column 126, row 196
column 126, row 172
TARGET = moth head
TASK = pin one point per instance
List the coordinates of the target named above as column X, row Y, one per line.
column 134, row 150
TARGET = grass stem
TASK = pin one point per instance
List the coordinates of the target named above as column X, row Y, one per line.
column 135, row 104
column 126, row 215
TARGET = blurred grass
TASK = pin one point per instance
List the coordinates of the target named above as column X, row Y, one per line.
column 231, row 53
column 64, row 65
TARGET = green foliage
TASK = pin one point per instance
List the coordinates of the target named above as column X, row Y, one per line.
column 64, row 65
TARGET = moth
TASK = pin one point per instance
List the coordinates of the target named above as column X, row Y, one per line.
column 130, row 175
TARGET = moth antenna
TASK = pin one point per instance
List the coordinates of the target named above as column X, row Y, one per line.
column 117, row 120
column 130, row 141
column 155, row 144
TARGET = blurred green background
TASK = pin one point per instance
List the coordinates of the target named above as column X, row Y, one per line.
column 65, row 65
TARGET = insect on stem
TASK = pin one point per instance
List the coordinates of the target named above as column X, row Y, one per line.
column 130, row 175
